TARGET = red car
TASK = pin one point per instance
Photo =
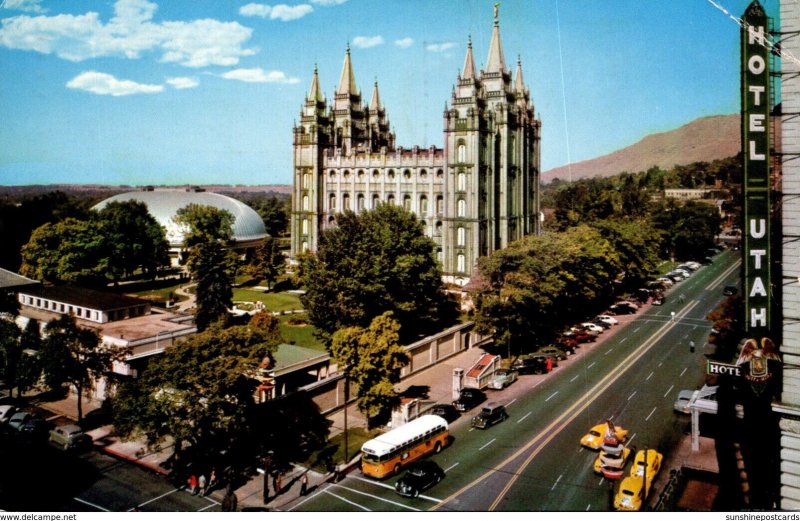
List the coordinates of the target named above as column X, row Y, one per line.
column 580, row 336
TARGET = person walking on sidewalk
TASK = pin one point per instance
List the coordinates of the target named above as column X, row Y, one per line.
column 201, row 482
column 192, row 482
column 229, row 502
column 304, row 484
column 691, row 346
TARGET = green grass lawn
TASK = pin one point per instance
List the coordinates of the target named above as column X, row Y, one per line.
column 272, row 301
column 156, row 292
column 301, row 335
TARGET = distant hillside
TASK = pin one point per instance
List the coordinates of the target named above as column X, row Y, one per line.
column 107, row 190
column 704, row 139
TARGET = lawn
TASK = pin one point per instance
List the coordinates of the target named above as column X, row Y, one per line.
column 282, row 301
column 155, row 291
column 299, row 334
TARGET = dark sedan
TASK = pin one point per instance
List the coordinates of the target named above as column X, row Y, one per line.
column 445, row 411
column 420, row 476
column 468, row 399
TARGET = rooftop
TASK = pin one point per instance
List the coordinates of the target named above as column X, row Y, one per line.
column 9, row 279
column 84, row 297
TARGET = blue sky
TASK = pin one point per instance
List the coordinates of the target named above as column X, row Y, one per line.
column 206, row 92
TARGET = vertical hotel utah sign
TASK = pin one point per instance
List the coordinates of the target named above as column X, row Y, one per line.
column 756, row 143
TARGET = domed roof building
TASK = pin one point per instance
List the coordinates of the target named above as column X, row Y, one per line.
column 163, row 205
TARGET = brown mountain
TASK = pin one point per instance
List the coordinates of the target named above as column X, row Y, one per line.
column 704, row 139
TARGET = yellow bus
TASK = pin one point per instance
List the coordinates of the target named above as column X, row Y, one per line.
column 389, row 452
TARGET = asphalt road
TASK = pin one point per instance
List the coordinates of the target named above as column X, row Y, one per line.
column 533, row 460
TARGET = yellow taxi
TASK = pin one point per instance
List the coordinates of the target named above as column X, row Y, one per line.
column 646, row 465
column 611, row 462
column 594, row 438
column 631, row 494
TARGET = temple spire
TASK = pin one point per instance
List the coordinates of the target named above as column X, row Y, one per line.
column 375, row 103
column 519, row 83
column 496, row 62
column 347, row 82
column 315, row 93
column 469, row 63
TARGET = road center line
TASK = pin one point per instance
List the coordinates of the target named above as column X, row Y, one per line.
column 649, row 415
column 556, row 483
column 521, row 419
column 451, row 467
column 489, row 443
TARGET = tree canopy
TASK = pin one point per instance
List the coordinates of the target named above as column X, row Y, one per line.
column 200, row 391
column 376, row 261
column 372, row 359
column 211, row 263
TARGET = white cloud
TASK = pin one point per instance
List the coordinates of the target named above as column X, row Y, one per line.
column 259, row 75
column 28, row 6
column 404, row 43
column 365, row 42
column 328, row 2
column 439, row 47
column 280, row 12
column 129, row 33
column 106, row 84
column 183, row 83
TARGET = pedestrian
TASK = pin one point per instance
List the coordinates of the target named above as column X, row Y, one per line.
column 212, row 479
column 201, row 482
column 229, row 502
column 672, row 314
column 192, row 482
column 691, row 346
column 682, row 298
column 304, row 484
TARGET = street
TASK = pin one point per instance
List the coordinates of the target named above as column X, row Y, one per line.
column 533, row 460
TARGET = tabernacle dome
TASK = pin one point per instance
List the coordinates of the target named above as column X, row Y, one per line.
column 248, row 227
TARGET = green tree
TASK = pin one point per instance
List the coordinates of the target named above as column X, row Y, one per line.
column 372, row 358
column 134, row 239
column 268, row 263
column 686, row 228
column 377, row 261
column 210, row 261
column 10, row 353
column 73, row 355
column 69, row 251
column 637, row 243
column 200, row 392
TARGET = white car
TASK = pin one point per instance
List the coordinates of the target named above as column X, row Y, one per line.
column 588, row 326
column 607, row 319
column 665, row 281
column 19, row 418
column 6, row 412
column 694, row 265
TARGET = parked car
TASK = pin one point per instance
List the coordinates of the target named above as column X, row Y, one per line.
column 607, row 319
column 589, row 326
column 658, row 299
column 553, row 352
column 646, row 464
column 6, row 412
column 730, row 289
column 676, row 276
column 468, row 398
column 70, row 436
column 580, row 337
column 445, row 411
column 18, row 418
column 666, row 281
column 566, row 344
column 421, row 475
column 503, row 378
column 35, row 430
column 532, row 364
column 622, row 309
column 491, row 413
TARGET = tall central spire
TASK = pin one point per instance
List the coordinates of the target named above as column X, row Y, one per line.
column 347, row 82
column 496, row 62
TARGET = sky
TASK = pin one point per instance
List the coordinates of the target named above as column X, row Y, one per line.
column 176, row 92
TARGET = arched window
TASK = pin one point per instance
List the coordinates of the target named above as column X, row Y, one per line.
column 376, row 200
column 360, row 202
column 407, row 175
column 332, row 174
column 439, row 173
column 461, row 236
column 346, row 175
column 407, row 202
column 462, row 182
column 332, row 202
column 438, row 230
column 423, row 205
column 461, row 208
column 375, row 174
column 346, row 202
column 304, row 227
column 423, row 174
column 304, row 247
column 306, row 204
column 360, row 175
column 391, row 175
column 462, row 153
column 461, row 263
column 306, row 181
column 390, row 199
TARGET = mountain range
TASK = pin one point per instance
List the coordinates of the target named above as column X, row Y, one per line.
column 704, row 139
